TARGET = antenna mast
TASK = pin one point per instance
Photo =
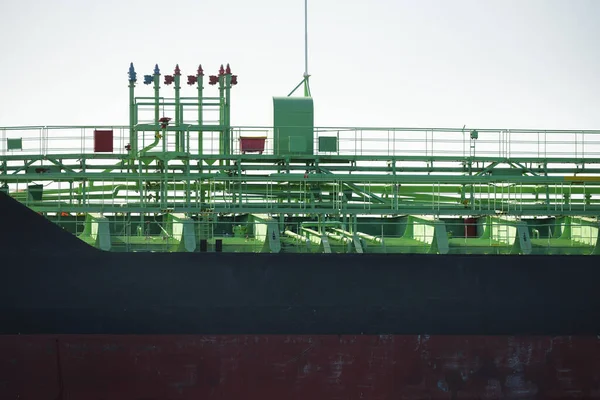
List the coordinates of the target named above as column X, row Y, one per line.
column 306, row 38
column 306, row 75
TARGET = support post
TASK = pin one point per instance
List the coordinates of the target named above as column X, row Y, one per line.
column 200, row 81
column 227, row 108
column 179, row 142
column 306, row 75
column 156, row 97
column 223, row 136
column 132, row 113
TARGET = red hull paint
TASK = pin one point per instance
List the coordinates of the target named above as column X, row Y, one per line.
column 101, row 367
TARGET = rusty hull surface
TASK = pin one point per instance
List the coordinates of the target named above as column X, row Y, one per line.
column 274, row 367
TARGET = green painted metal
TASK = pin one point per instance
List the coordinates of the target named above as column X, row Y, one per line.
column 226, row 81
column 422, row 235
column 132, row 118
column 169, row 178
column 181, row 229
column 293, row 124
column 14, row 144
column 97, row 231
column 565, row 235
column 266, row 230
column 200, row 83
column 305, row 84
column 328, row 144
column 176, row 135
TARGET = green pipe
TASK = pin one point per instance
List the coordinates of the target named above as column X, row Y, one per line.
column 553, row 182
column 340, row 235
column 222, row 146
column 323, row 223
column 156, row 105
column 168, row 103
column 312, row 232
column 190, row 127
column 296, row 236
column 200, row 81
column 368, row 237
column 132, row 120
column 339, row 238
column 157, row 138
column 342, row 232
column 178, row 138
column 227, row 110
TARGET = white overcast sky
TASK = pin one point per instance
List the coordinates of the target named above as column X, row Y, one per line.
column 418, row 63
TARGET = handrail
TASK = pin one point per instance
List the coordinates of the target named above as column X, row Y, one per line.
column 351, row 141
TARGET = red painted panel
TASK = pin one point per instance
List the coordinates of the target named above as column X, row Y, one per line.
column 297, row 367
column 470, row 227
column 103, row 141
column 252, row 144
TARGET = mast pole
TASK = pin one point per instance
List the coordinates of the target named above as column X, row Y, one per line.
column 306, row 86
column 305, row 38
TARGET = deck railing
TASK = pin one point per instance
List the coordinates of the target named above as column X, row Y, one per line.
column 397, row 142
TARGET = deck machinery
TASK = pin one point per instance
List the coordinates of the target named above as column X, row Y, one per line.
column 180, row 177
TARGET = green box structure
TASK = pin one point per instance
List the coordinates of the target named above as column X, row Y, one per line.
column 293, row 125
column 14, row 144
column 34, row 192
column 328, row 144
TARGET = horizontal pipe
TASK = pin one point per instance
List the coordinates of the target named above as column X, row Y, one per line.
column 345, row 158
column 323, row 223
column 311, row 231
column 345, row 129
column 181, row 127
column 340, row 238
column 173, row 104
column 368, row 237
column 342, row 232
column 301, row 209
column 294, row 235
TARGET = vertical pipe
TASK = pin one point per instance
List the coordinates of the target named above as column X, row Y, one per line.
column 188, row 185
column 186, row 136
column 200, row 81
column 164, row 140
column 222, row 110
column 178, row 139
column 227, row 110
column 132, row 121
column 156, row 97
